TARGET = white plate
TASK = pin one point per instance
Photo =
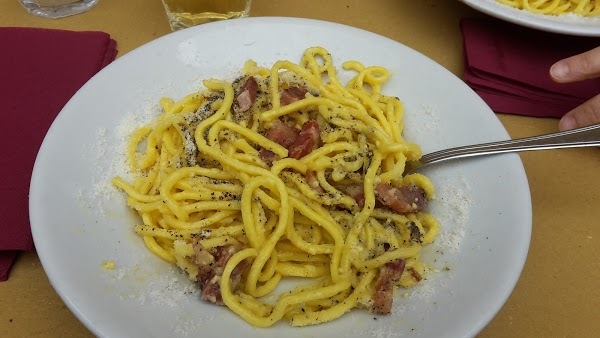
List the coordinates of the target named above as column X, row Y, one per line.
column 79, row 221
column 565, row 24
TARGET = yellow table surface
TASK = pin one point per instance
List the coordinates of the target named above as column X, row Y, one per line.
column 558, row 294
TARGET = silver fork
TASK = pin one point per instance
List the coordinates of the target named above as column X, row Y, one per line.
column 581, row 137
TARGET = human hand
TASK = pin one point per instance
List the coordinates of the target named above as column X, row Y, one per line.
column 577, row 68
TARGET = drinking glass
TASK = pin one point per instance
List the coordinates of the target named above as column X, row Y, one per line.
column 55, row 9
column 187, row 13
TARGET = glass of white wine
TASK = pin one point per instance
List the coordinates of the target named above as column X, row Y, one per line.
column 55, row 9
column 187, row 13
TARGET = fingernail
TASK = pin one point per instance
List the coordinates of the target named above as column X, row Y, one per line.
column 559, row 70
column 567, row 123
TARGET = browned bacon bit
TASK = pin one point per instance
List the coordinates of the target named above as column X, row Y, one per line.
column 415, row 274
column 236, row 274
column 389, row 274
column 223, row 253
column 357, row 191
column 298, row 142
column 313, row 181
column 266, row 155
column 307, row 140
column 291, row 95
column 282, row 134
column 401, row 199
column 246, row 98
column 211, row 263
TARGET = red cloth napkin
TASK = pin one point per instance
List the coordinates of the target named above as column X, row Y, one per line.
column 508, row 65
column 41, row 69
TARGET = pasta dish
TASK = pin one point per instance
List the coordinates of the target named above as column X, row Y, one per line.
column 556, row 7
column 285, row 173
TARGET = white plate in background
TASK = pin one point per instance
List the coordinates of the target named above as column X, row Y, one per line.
column 569, row 24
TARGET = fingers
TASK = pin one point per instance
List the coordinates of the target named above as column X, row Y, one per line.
column 584, row 115
column 576, row 68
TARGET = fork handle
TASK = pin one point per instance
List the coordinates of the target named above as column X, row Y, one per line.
column 581, row 137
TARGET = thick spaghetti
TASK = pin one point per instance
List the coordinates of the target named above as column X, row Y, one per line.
column 285, row 173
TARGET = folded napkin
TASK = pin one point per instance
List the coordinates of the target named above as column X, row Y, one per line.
column 41, row 69
column 508, row 66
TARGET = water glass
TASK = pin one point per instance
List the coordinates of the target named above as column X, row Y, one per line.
column 55, row 9
column 187, row 13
